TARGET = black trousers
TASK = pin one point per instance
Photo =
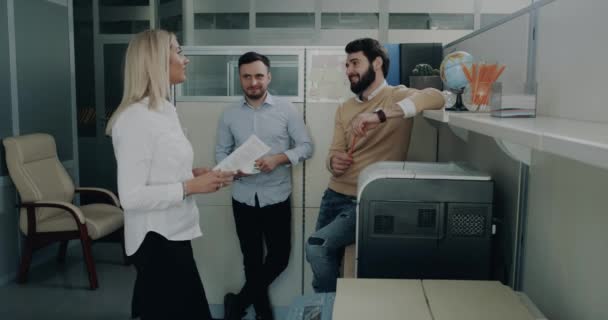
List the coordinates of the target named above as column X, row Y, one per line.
column 168, row 285
column 254, row 226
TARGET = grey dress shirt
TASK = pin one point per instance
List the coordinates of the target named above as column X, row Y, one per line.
column 277, row 123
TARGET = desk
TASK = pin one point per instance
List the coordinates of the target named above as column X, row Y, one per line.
column 388, row 299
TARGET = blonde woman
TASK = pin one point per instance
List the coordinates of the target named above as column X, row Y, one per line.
column 155, row 179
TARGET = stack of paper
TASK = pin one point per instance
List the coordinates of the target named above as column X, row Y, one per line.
column 515, row 106
column 243, row 158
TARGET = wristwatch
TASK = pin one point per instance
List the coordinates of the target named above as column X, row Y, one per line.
column 381, row 115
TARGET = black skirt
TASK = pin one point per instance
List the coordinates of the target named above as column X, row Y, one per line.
column 168, row 285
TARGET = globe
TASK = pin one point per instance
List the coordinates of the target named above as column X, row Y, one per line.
column 451, row 70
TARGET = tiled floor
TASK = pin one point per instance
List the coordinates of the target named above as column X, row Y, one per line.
column 61, row 291
column 56, row 291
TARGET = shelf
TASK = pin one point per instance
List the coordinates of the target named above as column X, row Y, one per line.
column 583, row 141
column 437, row 115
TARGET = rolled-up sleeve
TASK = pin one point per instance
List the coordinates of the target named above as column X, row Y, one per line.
column 302, row 143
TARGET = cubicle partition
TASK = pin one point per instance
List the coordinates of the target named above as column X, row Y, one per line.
column 313, row 79
column 548, row 170
column 505, row 42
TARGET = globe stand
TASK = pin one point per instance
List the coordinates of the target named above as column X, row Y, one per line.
column 458, row 106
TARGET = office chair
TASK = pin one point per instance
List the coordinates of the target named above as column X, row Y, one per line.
column 47, row 214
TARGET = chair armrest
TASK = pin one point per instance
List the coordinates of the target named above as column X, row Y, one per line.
column 105, row 192
column 72, row 209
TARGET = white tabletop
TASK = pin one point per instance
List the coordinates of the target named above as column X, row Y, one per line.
column 399, row 299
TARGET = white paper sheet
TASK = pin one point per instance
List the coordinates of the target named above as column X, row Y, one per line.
column 243, row 158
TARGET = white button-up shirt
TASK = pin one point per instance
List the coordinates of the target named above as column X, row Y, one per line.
column 153, row 159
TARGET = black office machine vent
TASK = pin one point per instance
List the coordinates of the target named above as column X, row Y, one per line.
column 467, row 221
column 423, row 220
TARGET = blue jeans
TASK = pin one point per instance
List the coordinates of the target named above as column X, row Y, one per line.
column 335, row 230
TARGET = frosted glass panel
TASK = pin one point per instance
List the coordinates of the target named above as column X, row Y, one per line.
column 285, row 20
column 207, row 75
column 85, row 70
column 45, row 103
column 6, row 125
column 452, row 21
column 411, row 21
column 422, row 21
column 349, row 21
column 217, row 75
column 221, row 21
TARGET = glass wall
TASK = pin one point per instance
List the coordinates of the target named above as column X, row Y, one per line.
column 221, row 20
column 342, row 20
column 285, row 20
column 113, row 61
column 85, row 70
column 334, row 21
column 426, row 21
column 217, row 75
column 171, row 18
column 6, row 123
column 49, row 110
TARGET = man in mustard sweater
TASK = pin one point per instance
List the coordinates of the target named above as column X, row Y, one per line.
column 379, row 122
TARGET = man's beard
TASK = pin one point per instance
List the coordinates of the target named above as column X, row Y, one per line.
column 255, row 96
column 364, row 81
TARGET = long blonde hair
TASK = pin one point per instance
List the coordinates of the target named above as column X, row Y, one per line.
column 146, row 72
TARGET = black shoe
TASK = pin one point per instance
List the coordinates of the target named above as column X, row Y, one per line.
column 231, row 307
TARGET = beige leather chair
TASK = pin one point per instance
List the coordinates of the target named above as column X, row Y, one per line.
column 47, row 214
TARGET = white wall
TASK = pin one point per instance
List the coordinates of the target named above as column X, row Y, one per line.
column 565, row 259
column 571, row 60
column 502, row 6
column 565, row 242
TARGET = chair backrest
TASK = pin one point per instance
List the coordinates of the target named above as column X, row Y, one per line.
column 37, row 173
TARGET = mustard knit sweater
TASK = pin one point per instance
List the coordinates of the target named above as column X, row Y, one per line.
column 389, row 141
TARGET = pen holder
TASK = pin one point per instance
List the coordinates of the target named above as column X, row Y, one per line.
column 486, row 96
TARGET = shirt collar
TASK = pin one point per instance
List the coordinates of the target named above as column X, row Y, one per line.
column 268, row 101
column 374, row 93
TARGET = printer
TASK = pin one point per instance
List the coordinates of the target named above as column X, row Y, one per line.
column 424, row 221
